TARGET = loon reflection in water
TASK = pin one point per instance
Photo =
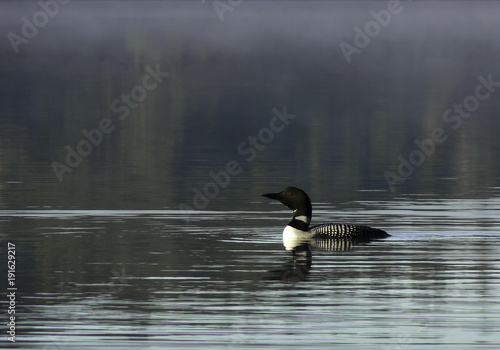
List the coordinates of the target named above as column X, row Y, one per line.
column 297, row 268
column 298, row 231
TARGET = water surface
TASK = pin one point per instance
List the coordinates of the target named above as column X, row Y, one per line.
column 129, row 279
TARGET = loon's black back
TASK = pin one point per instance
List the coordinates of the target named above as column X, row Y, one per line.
column 343, row 231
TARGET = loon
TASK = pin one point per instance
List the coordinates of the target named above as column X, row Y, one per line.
column 298, row 229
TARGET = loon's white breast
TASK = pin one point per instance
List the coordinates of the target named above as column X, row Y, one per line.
column 293, row 237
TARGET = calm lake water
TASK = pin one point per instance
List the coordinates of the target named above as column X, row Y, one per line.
column 137, row 137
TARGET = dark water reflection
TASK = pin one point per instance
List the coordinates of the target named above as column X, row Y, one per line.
column 353, row 120
column 105, row 260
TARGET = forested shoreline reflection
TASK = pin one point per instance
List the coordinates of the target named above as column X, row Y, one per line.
column 217, row 84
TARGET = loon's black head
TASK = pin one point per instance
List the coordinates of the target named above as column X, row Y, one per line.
column 295, row 199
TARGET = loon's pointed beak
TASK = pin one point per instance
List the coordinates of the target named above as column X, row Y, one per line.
column 278, row 196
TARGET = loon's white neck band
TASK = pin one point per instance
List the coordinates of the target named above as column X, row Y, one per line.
column 303, row 218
